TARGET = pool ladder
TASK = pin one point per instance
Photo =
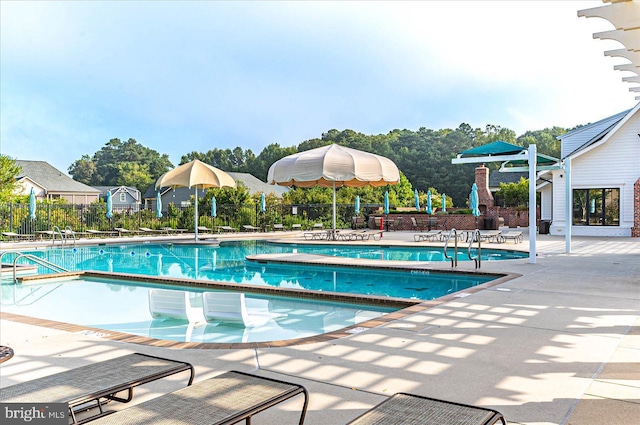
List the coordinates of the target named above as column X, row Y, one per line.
column 37, row 260
column 475, row 236
column 64, row 235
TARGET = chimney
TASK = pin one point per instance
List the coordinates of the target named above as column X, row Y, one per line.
column 482, row 181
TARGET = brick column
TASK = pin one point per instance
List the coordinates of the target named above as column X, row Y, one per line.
column 482, row 181
column 635, row 230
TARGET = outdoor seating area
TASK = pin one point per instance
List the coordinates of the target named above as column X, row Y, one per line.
column 96, row 383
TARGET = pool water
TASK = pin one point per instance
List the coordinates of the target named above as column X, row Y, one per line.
column 123, row 306
column 227, row 263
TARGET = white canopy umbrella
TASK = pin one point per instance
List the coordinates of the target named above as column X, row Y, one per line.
column 195, row 174
column 333, row 166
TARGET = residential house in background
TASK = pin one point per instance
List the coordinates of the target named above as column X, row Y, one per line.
column 50, row 183
column 123, row 198
column 181, row 197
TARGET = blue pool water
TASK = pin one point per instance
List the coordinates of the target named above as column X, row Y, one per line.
column 123, row 306
column 227, row 263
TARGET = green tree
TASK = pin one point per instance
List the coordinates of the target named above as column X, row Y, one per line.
column 515, row 194
column 120, row 161
column 9, row 170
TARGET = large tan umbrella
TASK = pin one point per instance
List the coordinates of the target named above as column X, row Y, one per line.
column 333, row 166
column 195, row 174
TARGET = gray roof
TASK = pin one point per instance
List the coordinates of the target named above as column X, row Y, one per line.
column 50, row 178
column 253, row 184
column 581, row 138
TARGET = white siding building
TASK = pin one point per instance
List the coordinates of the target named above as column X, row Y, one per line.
column 605, row 179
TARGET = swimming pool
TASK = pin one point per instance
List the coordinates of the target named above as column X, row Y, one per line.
column 122, row 306
column 227, row 263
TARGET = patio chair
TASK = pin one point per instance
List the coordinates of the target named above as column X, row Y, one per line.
column 403, row 408
column 489, row 235
column 318, row 226
column 228, row 398
column 122, row 231
column 17, row 236
column 149, row 231
column 174, row 231
column 250, row 228
column 431, row 235
column 296, row 226
column 231, row 307
column 516, row 236
column 227, row 229
column 278, row 226
column 95, row 383
column 101, row 233
column 316, row 235
column 172, row 304
column 205, row 229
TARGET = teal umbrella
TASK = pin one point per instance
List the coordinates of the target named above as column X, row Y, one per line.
column 444, row 202
column 109, row 213
column 263, row 203
column 158, row 204
column 32, row 205
column 417, row 199
column 357, row 205
column 214, row 207
column 386, row 202
column 474, row 203
column 429, row 208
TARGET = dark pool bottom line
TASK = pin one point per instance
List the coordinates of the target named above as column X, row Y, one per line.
column 405, row 308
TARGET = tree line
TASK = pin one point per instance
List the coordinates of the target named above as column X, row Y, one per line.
column 423, row 157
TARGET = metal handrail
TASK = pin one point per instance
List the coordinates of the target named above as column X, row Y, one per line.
column 454, row 259
column 51, row 266
column 69, row 231
column 57, row 230
column 477, row 258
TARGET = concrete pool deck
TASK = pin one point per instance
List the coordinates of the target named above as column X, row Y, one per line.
column 558, row 345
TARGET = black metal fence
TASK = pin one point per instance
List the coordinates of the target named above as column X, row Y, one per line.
column 16, row 217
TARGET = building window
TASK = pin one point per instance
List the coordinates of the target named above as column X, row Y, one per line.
column 596, row 207
column 123, row 198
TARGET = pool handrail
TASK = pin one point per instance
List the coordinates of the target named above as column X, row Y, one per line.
column 51, row 266
column 454, row 259
column 477, row 258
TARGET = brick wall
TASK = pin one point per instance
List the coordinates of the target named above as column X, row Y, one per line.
column 635, row 230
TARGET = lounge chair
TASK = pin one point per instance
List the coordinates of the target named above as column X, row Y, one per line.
column 318, row 226
column 316, row 235
column 224, row 399
column 403, row 408
column 172, row 304
column 250, row 228
column 205, row 229
column 516, row 236
column 101, row 233
column 296, row 226
column 230, row 307
column 172, row 230
column 122, row 231
column 17, row 236
column 152, row 231
column 362, row 235
column 95, row 382
column 489, row 235
column 279, row 226
column 228, row 229
column 431, row 235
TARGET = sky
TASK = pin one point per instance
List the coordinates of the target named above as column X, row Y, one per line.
column 184, row 76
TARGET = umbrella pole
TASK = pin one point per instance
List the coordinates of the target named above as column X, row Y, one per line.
column 195, row 219
column 334, row 211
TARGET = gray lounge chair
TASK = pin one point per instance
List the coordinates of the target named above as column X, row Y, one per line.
column 224, row 399
column 95, row 383
column 515, row 236
column 431, row 235
column 408, row 409
column 250, row 228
